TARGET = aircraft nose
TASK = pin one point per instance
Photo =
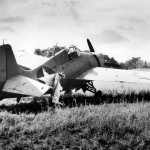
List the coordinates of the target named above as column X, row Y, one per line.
column 98, row 60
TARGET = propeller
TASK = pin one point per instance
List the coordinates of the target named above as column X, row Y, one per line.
column 90, row 46
column 108, row 64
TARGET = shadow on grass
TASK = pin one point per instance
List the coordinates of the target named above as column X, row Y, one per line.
column 37, row 105
column 101, row 98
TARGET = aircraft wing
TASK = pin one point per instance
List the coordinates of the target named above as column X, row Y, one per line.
column 106, row 75
column 115, row 75
column 25, row 86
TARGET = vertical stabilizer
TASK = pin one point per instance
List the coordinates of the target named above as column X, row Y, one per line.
column 8, row 64
column 2, row 64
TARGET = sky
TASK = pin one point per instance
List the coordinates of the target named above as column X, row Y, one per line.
column 117, row 28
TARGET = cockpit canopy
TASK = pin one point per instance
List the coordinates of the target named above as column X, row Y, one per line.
column 73, row 52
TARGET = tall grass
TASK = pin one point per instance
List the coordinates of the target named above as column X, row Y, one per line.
column 107, row 126
column 37, row 105
column 122, row 121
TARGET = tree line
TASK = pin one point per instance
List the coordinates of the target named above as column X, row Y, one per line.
column 133, row 63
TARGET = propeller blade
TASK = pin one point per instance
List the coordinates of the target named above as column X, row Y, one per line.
column 90, row 46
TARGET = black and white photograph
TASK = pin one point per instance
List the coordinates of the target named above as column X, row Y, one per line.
column 74, row 75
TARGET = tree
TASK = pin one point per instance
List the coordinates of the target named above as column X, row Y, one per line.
column 48, row 52
column 110, row 62
column 134, row 63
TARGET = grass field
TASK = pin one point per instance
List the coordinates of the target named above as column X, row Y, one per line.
column 118, row 119
column 107, row 126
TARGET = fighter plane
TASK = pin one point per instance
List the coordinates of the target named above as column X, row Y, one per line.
column 61, row 70
column 17, row 81
column 76, row 69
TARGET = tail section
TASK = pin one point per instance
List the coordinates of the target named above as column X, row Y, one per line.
column 8, row 64
column 14, row 82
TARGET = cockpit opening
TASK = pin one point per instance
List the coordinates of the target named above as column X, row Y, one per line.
column 73, row 52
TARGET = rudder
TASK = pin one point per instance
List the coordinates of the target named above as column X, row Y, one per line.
column 8, row 64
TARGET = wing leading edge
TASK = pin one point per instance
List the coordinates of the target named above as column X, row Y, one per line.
column 115, row 75
column 25, row 86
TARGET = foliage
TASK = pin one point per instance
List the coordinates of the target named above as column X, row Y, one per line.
column 135, row 63
column 110, row 60
column 48, row 52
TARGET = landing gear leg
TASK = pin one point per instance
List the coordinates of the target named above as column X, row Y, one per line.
column 68, row 100
column 90, row 87
column 56, row 90
column 98, row 96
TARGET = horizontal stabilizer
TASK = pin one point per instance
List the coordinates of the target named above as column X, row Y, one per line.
column 25, row 86
column 30, row 61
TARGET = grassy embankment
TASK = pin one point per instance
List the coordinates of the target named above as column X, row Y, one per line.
column 107, row 126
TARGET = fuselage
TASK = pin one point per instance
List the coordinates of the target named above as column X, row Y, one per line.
column 74, row 66
column 70, row 65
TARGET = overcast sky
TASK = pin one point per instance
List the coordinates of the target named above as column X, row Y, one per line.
column 118, row 28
